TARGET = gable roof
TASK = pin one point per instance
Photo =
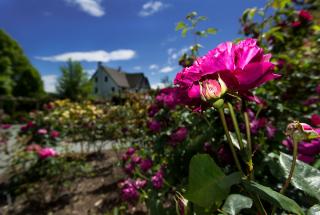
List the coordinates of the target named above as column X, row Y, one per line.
column 119, row 77
column 137, row 80
column 126, row 80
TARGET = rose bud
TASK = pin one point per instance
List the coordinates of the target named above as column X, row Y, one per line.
column 212, row 89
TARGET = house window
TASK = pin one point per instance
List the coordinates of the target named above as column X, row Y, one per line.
column 96, row 90
column 96, row 79
column 112, row 89
column 106, row 79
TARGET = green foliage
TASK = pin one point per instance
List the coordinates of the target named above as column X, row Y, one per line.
column 191, row 26
column 314, row 210
column 305, row 177
column 273, row 197
column 235, row 203
column 74, row 83
column 17, row 76
column 208, row 185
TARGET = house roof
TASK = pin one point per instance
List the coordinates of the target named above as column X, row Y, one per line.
column 119, row 77
column 136, row 80
column 126, row 80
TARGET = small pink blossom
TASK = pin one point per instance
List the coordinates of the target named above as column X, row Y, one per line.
column 47, row 153
column 296, row 24
column 178, row 135
column 153, row 110
column 136, row 159
column 130, row 151
column 54, row 134
column 33, row 148
column 42, row 131
column 146, row 164
column 271, row 130
column 315, row 120
column 129, row 167
column 305, row 16
column 129, row 191
column 124, row 157
column 154, row 126
column 157, row 180
column 306, row 150
column 140, row 183
column 5, row 126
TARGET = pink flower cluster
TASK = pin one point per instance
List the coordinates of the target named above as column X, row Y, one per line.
column 242, row 67
column 306, row 150
column 26, row 127
column 154, row 126
column 43, row 153
column 257, row 124
column 304, row 17
column 157, row 180
column 167, row 97
column 5, row 126
column 47, row 152
column 179, row 135
column 129, row 189
column 131, row 160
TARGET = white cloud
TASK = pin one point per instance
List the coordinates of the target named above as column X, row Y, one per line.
column 151, row 8
column 92, row 7
column 137, row 68
column 153, row 67
column 158, row 86
column 166, row 69
column 50, row 82
column 91, row 56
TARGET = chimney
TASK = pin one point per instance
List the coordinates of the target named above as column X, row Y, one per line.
column 99, row 64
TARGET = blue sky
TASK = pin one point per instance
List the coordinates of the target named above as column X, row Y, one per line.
column 137, row 35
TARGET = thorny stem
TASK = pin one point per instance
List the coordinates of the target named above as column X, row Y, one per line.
column 226, row 130
column 293, row 164
column 249, row 144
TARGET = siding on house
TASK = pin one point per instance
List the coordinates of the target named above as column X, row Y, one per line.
column 104, row 85
column 109, row 82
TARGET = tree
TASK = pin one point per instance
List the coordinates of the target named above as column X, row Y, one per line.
column 17, row 76
column 74, row 83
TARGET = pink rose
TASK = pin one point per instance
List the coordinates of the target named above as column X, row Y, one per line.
column 47, row 153
column 242, row 67
column 54, row 134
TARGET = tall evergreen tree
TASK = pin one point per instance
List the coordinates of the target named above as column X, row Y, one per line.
column 73, row 83
column 17, row 76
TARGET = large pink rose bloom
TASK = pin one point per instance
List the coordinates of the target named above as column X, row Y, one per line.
column 242, row 66
column 47, row 152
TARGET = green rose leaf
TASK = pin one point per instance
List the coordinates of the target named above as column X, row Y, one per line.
column 180, row 25
column 211, row 31
column 305, row 177
column 235, row 203
column 208, row 185
column 273, row 197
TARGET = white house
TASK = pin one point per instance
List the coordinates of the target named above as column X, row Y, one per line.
column 109, row 82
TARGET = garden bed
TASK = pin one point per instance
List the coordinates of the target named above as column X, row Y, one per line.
column 95, row 193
